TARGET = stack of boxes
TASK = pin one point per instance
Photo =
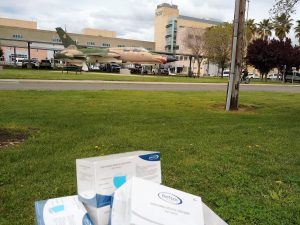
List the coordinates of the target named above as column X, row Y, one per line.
column 99, row 177
column 124, row 189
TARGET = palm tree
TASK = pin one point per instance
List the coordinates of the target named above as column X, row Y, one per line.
column 250, row 29
column 282, row 26
column 297, row 30
column 264, row 29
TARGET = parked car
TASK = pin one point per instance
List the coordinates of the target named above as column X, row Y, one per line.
column 45, row 64
column 33, row 63
column 274, row 76
column 226, row 73
column 19, row 61
column 57, row 63
column 290, row 77
column 253, row 76
column 115, row 68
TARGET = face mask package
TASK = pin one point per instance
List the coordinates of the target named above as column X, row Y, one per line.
column 141, row 202
column 63, row 211
column 99, row 177
column 99, row 216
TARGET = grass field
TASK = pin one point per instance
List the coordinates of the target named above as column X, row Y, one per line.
column 57, row 75
column 245, row 165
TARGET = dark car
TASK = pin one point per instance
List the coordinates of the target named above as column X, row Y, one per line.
column 290, row 77
column 45, row 64
column 32, row 64
column 115, row 68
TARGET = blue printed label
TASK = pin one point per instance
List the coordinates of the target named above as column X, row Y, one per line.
column 151, row 157
column 119, row 181
column 57, row 209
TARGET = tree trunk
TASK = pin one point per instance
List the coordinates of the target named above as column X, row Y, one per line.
column 199, row 66
column 222, row 71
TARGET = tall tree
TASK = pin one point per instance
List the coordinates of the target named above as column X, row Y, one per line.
column 194, row 41
column 259, row 55
column 297, row 30
column 251, row 30
column 217, row 45
column 282, row 26
column 264, row 29
column 283, row 7
column 284, row 54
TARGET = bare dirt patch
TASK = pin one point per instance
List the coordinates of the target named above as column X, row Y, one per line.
column 242, row 108
column 12, row 137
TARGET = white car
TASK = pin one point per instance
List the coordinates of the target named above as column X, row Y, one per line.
column 274, row 77
column 226, row 73
column 253, row 76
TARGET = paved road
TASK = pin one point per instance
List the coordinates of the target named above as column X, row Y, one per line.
column 23, row 84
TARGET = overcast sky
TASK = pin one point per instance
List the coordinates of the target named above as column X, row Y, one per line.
column 133, row 19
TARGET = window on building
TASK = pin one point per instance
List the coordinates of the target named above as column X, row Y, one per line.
column 121, row 46
column 105, row 45
column 149, row 49
column 91, row 43
column 56, row 39
column 185, row 58
column 12, row 57
column 17, row 36
column 181, row 58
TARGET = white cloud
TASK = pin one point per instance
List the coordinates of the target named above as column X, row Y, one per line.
column 132, row 19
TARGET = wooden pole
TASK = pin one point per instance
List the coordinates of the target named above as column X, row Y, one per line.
column 237, row 55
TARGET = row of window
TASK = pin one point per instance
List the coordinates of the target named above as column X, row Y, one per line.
column 17, row 36
column 182, row 58
column 89, row 43
column 57, row 40
column 12, row 57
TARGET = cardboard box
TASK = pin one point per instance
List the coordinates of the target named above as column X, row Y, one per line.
column 99, row 177
column 143, row 202
column 63, row 211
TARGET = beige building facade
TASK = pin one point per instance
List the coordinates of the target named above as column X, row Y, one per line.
column 18, row 23
column 171, row 30
column 98, row 32
column 14, row 39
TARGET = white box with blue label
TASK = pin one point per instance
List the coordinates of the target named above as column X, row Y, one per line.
column 143, row 202
column 99, row 177
column 63, row 211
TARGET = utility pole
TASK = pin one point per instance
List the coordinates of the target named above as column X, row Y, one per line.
column 236, row 56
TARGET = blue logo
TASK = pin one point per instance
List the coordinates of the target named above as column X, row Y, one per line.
column 170, row 198
column 151, row 157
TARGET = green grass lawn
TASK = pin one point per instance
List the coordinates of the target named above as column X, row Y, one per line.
column 57, row 75
column 245, row 165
